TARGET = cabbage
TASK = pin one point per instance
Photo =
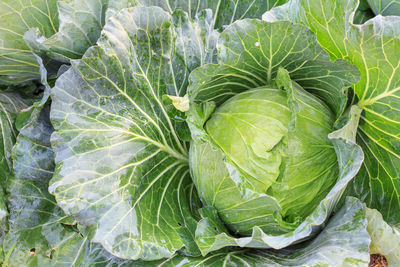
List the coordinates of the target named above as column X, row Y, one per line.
column 276, row 149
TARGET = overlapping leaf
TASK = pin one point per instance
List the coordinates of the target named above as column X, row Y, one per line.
column 250, row 54
column 61, row 30
column 57, row 30
column 374, row 48
column 121, row 166
column 36, row 230
column 39, row 233
column 363, row 13
column 64, row 29
column 81, row 21
column 344, row 242
column 385, row 7
column 17, row 64
column 80, row 26
column 225, row 11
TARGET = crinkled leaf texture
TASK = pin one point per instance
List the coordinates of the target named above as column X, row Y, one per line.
column 55, row 29
column 40, row 233
column 80, row 24
column 17, row 63
column 251, row 53
column 225, row 11
column 121, row 166
column 64, row 29
column 82, row 21
column 373, row 47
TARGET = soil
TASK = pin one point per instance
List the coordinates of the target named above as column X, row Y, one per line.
column 378, row 260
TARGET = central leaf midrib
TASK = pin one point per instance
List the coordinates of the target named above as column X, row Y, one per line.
column 164, row 147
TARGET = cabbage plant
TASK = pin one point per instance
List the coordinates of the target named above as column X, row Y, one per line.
column 198, row 133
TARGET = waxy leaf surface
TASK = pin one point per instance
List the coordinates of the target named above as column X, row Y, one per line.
column 121, row 166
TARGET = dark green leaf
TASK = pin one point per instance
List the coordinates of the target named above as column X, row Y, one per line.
column 363, row 16
column 385, row 7
column 363, row 13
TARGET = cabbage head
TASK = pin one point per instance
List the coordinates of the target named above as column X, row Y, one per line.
column 280, row 152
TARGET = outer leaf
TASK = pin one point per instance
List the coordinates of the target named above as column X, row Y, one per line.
column 34, row 217
column 35, row 225
column 250, row 54
column 33, row 157
column 80, row 26
column 385, row 7
column 363, row 13
column 37, row 236
column 17, row 64
column 121, row 166
column 81, row 21
column 373, row 48
column 10, row 105
column 225, row 11
column 343, row 242
column 79, row 251
column 362, row 16
column 33, row 26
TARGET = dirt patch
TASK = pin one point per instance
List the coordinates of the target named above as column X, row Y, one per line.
column 378, row 260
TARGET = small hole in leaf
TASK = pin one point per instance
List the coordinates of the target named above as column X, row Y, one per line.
column 179, row 224
column 49, row 253
column 32, row 252
column 38, row 92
